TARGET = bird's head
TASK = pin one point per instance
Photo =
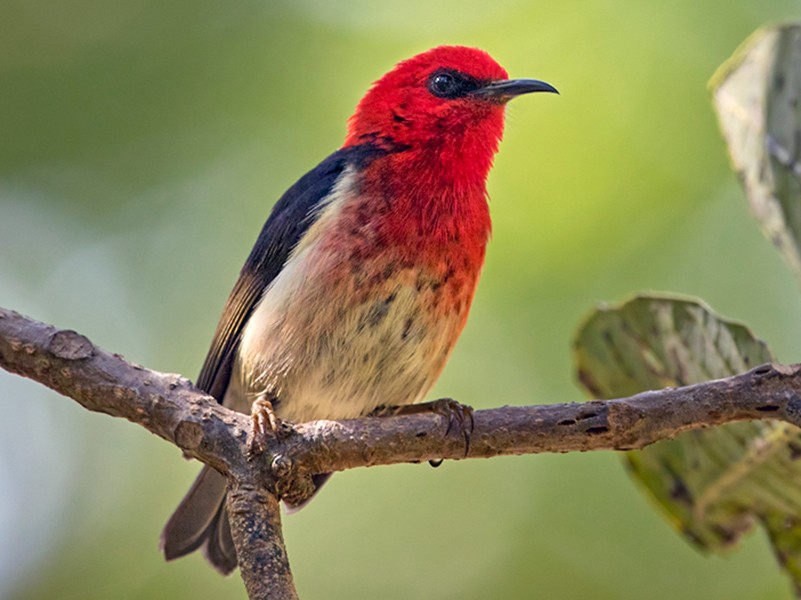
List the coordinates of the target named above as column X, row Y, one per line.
column 441, row 99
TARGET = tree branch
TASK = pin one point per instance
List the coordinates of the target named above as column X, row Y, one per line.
column 255, row 518
column 170, row 407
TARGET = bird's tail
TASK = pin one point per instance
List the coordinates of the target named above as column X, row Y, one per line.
column 201, row 521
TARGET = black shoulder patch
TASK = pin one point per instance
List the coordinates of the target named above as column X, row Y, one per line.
column 291, row 216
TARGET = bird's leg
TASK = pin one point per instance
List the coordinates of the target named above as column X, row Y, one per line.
column 460, row 417
column 264, row 423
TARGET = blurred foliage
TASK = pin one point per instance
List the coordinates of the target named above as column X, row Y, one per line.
column 143, row 145
column 756, row 97
column 713, row 484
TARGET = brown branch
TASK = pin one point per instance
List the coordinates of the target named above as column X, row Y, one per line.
column 170, row 407
column 769, row 391
column 255, row 519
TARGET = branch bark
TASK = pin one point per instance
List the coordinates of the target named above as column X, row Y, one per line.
column 255, row 518
column 170, row 407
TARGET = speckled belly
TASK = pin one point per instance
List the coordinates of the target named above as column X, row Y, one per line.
column 330, row 340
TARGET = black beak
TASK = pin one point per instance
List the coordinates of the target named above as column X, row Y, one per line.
column 505, row 90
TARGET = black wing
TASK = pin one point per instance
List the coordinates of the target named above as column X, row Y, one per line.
column 292, row 215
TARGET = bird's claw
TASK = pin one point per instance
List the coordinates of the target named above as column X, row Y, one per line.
column 265, row 423
column 460, row 420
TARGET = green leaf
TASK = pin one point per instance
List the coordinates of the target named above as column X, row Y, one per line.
column 757, row 96
column 712, row 484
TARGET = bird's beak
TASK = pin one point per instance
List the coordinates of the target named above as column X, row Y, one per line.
column 505, row 90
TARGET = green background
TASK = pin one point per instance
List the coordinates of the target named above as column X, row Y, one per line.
column 141, row 146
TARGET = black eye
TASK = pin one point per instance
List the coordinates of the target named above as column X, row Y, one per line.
column 447, row 83
column 442, row 84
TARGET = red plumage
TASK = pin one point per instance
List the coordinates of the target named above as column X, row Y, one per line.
column 439, row 216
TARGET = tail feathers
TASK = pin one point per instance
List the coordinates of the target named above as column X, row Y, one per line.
column 219, row 548
column 201, row 520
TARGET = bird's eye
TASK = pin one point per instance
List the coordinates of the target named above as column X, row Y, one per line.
column 447, row 83
column 442, row 84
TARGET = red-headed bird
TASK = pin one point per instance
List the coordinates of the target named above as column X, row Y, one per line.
column 362, row 277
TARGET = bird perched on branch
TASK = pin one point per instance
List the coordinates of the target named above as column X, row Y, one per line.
column 362, row 277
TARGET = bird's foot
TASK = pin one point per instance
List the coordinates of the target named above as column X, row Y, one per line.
column 265, row 423
column 460, row 420
column 460, row 417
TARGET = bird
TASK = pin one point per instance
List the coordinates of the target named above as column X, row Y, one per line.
column 361, row 279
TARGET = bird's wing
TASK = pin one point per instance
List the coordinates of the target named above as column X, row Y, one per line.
column 292, row 215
